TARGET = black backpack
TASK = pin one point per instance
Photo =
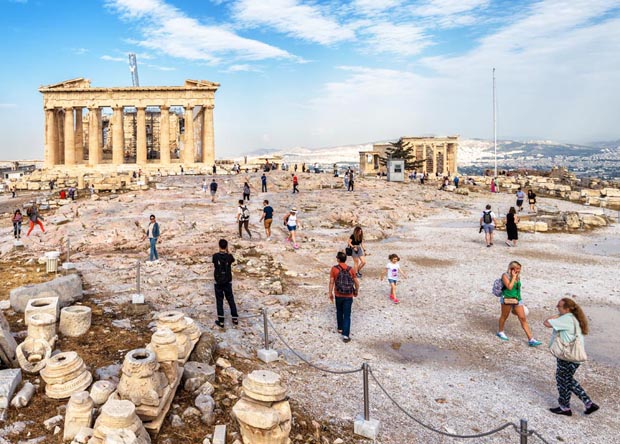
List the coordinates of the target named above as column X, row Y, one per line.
column 221, row 273
column 486, row 218
column 344, row 281
column 245, row 213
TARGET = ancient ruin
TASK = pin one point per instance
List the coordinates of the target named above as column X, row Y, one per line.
column 75, row 320
column 79, row 414
column 116, row 416
column 128, row 125
column 438, row 153
column 65, row 374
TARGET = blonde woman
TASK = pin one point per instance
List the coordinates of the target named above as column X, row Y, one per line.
column 511, row 302
column 356, row 243
column 569, row 324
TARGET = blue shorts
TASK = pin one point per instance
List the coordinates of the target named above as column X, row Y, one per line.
column 291, row 227
column 392, row 281
column 501, row 301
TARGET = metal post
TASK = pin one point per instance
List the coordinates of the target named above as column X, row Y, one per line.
column 68, row 249
column 138, row 277
column 366, row 396
column 523, row 431
column 266, row 328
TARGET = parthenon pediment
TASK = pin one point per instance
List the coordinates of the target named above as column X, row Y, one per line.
column 79, row 82
column 201, row 83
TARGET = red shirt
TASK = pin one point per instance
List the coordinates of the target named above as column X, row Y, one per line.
column 295, row 179
column 334, row 274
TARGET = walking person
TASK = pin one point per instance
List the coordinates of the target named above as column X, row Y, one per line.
column 456, row 181
column 263, row 183
column 346, row 180
column 246, row 191
column 213, row 190
column 17, row 223
column 152, row 232
column 267, row 218
column 291, row 222
column 570, row 324
column 511, row 302
column 358, row 253
column 222, row 274
column 204, row 186
column 35, row 218
column 343, row 287
column 493, row 187
column 13, row 191
column 531, row 198
column 393, row 274
column 520, row 198
column 243, row 218
column 351, row 185
column 295, row 183
column 487, row 224
column 512, row 219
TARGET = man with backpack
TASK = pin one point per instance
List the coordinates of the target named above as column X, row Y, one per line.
column 343, row 287
column 487, row 224
column 222, row 273
column 243, row 217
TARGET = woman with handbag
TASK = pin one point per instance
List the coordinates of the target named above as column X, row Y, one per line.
column 569, row 326
column 511, row 302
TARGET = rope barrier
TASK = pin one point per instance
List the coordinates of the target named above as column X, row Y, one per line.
column 326, row 370
column 451, row 435
column 537, row 435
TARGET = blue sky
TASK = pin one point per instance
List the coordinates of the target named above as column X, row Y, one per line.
column 327, row 73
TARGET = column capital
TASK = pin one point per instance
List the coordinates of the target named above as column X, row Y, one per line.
column 164, row 107
column 208, row 106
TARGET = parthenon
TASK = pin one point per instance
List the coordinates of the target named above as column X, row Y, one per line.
column 129, row 125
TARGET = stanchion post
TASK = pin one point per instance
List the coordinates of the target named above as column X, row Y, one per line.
column 363, row 425
column 266, row 354
column 68, row 265
column 523, row 431
column 138, row 277
column 68, row 249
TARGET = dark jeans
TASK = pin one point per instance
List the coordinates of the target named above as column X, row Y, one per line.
column 351, row 185
column 246, row 196
column 295, row 189
column 17, row 229
column 225, row 291
column 567, row 384
column 244, row 224
column 264, row 188
column 343, row 314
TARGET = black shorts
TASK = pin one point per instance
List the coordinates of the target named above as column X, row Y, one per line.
column 519, row 202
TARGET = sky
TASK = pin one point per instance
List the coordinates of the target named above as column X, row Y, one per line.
column 320, row 73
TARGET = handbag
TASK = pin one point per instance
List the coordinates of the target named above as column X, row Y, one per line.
column 511, row 301
column 572, row 351
column 348, row 251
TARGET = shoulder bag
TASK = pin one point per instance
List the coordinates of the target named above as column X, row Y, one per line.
column 573, row 351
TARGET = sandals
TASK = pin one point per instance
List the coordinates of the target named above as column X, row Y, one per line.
column 219, row 323
column 235, row 321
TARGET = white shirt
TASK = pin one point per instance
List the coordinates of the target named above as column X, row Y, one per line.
column 392, row 270
column 492, row 217
column 292, row 220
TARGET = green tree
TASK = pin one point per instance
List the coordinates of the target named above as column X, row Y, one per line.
column 405, row 151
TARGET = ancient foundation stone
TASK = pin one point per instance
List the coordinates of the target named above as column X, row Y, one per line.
column 75, row 320
column 117, row 415
column 64, row 375
column 68, row 289
column 9, row 380
column 47, row 305
column 79, row 414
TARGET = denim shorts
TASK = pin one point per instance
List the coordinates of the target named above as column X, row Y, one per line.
column 393, row 281
column 501, row 301
column 291, row 227
column 488, row 228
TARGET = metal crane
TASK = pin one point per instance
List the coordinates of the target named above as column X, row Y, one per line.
column 133, row 69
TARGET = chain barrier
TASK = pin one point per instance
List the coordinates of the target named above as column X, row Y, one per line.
column 538, row 435
column 426, row 426
column 108, row 268
column 326, row 370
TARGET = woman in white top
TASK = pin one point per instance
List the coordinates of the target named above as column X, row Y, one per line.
column 291, row 222
column 569, row 324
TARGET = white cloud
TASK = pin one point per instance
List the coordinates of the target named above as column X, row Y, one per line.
column 167, row 29
column 400, row 39
column 290, row 17
column 448, row 7
column 80, row 51
column 243, row 68
column 373, row 6
column 158, row 67
column 109, row 58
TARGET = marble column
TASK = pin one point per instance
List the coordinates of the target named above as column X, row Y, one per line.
column 60, row 121
column 79, row 135
column 51, row 138
column 208, row 137
column 118, row 136
column 164, row 135
column 100, row 133
column 434, row 151
column 424, row 154
column 141, row 136
column 454, row 160
column 69, row 137
column 94, row 157
column 189, row 150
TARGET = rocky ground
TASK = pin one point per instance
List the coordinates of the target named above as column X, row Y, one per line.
column 435, row 353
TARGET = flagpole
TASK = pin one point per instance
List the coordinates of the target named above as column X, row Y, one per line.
column 494, row 124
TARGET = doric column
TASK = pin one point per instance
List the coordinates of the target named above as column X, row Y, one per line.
column 164, row 135
column 434, row 150
column 208, row 137
column 94, row 153
column 79, row 135
column 189, row 150
column 51, row 138
column 100, row 133
column 118, row 136
column 453, row 147
column 60, row 131
column 141, row 136
column 425, row 163
column 69, row 137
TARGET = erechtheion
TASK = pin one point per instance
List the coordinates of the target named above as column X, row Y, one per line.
column 439, row 154
column 128, row 125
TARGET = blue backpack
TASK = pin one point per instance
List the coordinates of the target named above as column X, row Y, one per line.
column 498, row 286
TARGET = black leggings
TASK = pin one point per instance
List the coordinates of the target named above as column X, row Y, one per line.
column 244, row 224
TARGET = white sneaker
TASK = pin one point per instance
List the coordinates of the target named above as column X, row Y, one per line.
column 269, row 238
